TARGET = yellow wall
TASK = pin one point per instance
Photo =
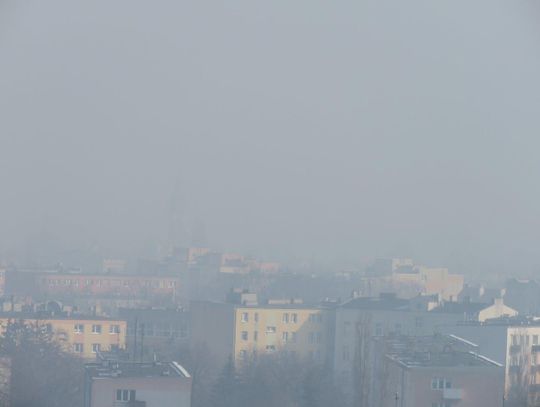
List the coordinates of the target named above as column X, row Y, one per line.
column 64, row 331
column 308, row 337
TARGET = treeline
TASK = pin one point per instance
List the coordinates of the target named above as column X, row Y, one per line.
column 36, row 372
column 276, row 380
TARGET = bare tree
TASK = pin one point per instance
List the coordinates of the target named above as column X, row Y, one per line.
column 39, row 365
column 362, row 361
column 201, row 364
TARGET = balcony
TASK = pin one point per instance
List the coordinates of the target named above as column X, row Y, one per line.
column 452, row 394
column 134, row 403
column 515, row 349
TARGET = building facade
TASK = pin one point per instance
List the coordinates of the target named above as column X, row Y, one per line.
column 84, row 337
column 434, row 371
column 242, row 332
column 59, row 285
column 122, row 384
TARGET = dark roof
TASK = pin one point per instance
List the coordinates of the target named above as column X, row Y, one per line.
column 113, row 369
column 263, row 305
column 461, row 307
column 381, row 303
column 38, row 316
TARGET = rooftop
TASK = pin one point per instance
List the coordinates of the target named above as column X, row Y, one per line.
column 16, row 316
column 434, row 351
column 116, row 369
column 384, row 302
column 266, row 305
column 461, row 307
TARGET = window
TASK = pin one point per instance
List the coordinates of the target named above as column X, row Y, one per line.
column 318, row 337
column 114, row 329
column 270, row 348
column 441, row 383
column 78, row 348
column 527, row 340
column 125, row 395
column 256, row 317
column 285, row 318
column 514, row 339
column 255, row 336
column 346, row 353
column 96, row 329
column 378, row 329
column 346, row 328
column 294, row 318
column 535, row 339
column 293, row 337
column 244, row 317
column 311, row 337
column 115, row 348
column 312, row 318
column 242, row 354
column 285, row 336
column 244, row 335
column 270, row 329
column 319, row 318
column 96, row 347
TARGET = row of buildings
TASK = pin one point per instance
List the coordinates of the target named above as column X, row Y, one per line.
column 418, row 339
column 402, row 329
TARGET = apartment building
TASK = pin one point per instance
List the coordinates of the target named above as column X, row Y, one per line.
column 515, row 344
column 408, row 279
column 428, row 281
column 360, row 319
column 434, row 371
column 83, row 336
column 244, row 331
column 125, row 384
column 57, row 284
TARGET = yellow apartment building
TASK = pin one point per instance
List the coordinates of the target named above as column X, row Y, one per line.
column 84, row 337
column 242, row 332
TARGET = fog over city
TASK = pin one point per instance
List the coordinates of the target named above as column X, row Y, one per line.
column 269, row 203
column 323, row 132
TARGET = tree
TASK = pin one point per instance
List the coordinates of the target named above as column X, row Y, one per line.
column 225, row 392
column 362, row 367
column 200, row 363
column 319, row 388
column 42, row 373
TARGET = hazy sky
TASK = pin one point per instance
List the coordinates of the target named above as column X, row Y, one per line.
column 294, row 129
